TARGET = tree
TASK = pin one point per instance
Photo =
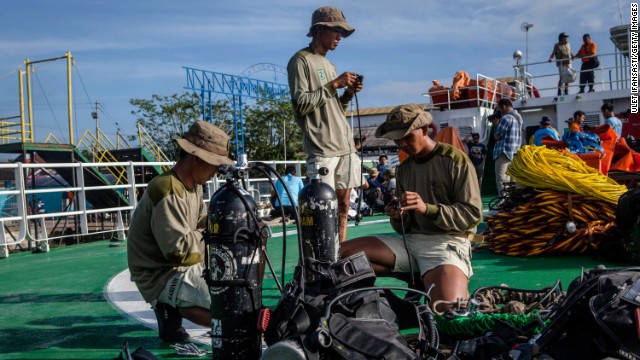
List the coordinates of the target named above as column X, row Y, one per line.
column 265, row 121
column 168, row 117
column 268, row 126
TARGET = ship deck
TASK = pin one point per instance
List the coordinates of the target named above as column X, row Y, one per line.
column 76, row 302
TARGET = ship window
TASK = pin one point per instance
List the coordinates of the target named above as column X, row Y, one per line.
column 464, row 131
column 593, row 120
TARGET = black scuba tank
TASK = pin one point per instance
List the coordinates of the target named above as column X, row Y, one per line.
column 233, row 273
column 318, row 206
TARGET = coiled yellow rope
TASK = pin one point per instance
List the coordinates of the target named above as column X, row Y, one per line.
column 544, row 168
column 540, row 226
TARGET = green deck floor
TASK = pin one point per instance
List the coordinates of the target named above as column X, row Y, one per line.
column 52, row 305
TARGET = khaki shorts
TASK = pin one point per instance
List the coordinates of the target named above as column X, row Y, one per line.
column 344, row 171
column 430, row 251
column 186, row 288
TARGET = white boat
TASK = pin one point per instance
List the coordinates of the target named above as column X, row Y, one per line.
column 467, row 107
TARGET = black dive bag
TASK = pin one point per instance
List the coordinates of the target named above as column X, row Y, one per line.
column 341, row 316
column 599, row 318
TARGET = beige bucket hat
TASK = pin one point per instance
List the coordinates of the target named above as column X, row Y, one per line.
column 208, row 142
column 332, row 17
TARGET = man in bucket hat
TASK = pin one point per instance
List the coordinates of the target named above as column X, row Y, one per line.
column 165, row 247
column 320, row 110
column 438, row 206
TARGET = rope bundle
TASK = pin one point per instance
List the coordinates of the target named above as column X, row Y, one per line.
column 519, row 308
column 544, row 168
column 541, row 225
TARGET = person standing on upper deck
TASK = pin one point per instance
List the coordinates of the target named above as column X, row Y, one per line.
column 319, row 109
column 562, row 53
column 508, row 137
column 586, row 53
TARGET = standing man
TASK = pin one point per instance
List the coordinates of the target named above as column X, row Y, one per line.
column 611, row 119
column 477, row 154
column 439, row 208
column 562, row 53
column 319, row 108
column 294, row 184
column 508, row 137
column 382, row 166
column 586, row 53
column 165, row 246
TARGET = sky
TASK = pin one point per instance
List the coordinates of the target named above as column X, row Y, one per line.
column 134, row 49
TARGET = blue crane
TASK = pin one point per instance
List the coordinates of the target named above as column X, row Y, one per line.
column 236, row 88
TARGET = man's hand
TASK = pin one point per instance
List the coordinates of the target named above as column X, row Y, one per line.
column 412, row 201
column 344, row 80
column 393, row 208
column 356, row 86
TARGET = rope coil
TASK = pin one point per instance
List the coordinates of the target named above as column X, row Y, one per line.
column 544, row 168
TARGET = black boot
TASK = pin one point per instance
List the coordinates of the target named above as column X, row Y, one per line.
column 559, row 91
column 566, row 91
column 169, row 323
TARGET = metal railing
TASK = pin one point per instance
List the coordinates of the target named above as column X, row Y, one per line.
column 149, row 144
column 98, row 147
column 22, row 228
column 607, row 78
column 483, row 91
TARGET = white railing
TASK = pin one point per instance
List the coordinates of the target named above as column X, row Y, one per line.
column 482, row 91
column 22, row 228
column 612, row 74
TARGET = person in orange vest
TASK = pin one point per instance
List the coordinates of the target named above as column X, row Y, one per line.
column 578, row 119
column 587, row 53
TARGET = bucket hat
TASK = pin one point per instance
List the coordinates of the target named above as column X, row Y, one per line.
column 331, row 17
column 208, row 142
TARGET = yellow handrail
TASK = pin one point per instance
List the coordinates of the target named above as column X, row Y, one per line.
column 99, row 148
column 51, row 139
column 147, row 143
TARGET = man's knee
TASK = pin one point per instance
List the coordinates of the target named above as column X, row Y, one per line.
column 448, row 281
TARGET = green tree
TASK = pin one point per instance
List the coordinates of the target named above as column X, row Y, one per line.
column 168, row 117
column 265, row 121
column 268, row 126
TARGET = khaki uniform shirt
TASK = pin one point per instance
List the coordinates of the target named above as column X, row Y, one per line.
column 447, row 182
column 165, row 233
column 318, row 109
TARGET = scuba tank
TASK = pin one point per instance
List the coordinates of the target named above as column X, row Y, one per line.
column 233, row 272
column 318, row 206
